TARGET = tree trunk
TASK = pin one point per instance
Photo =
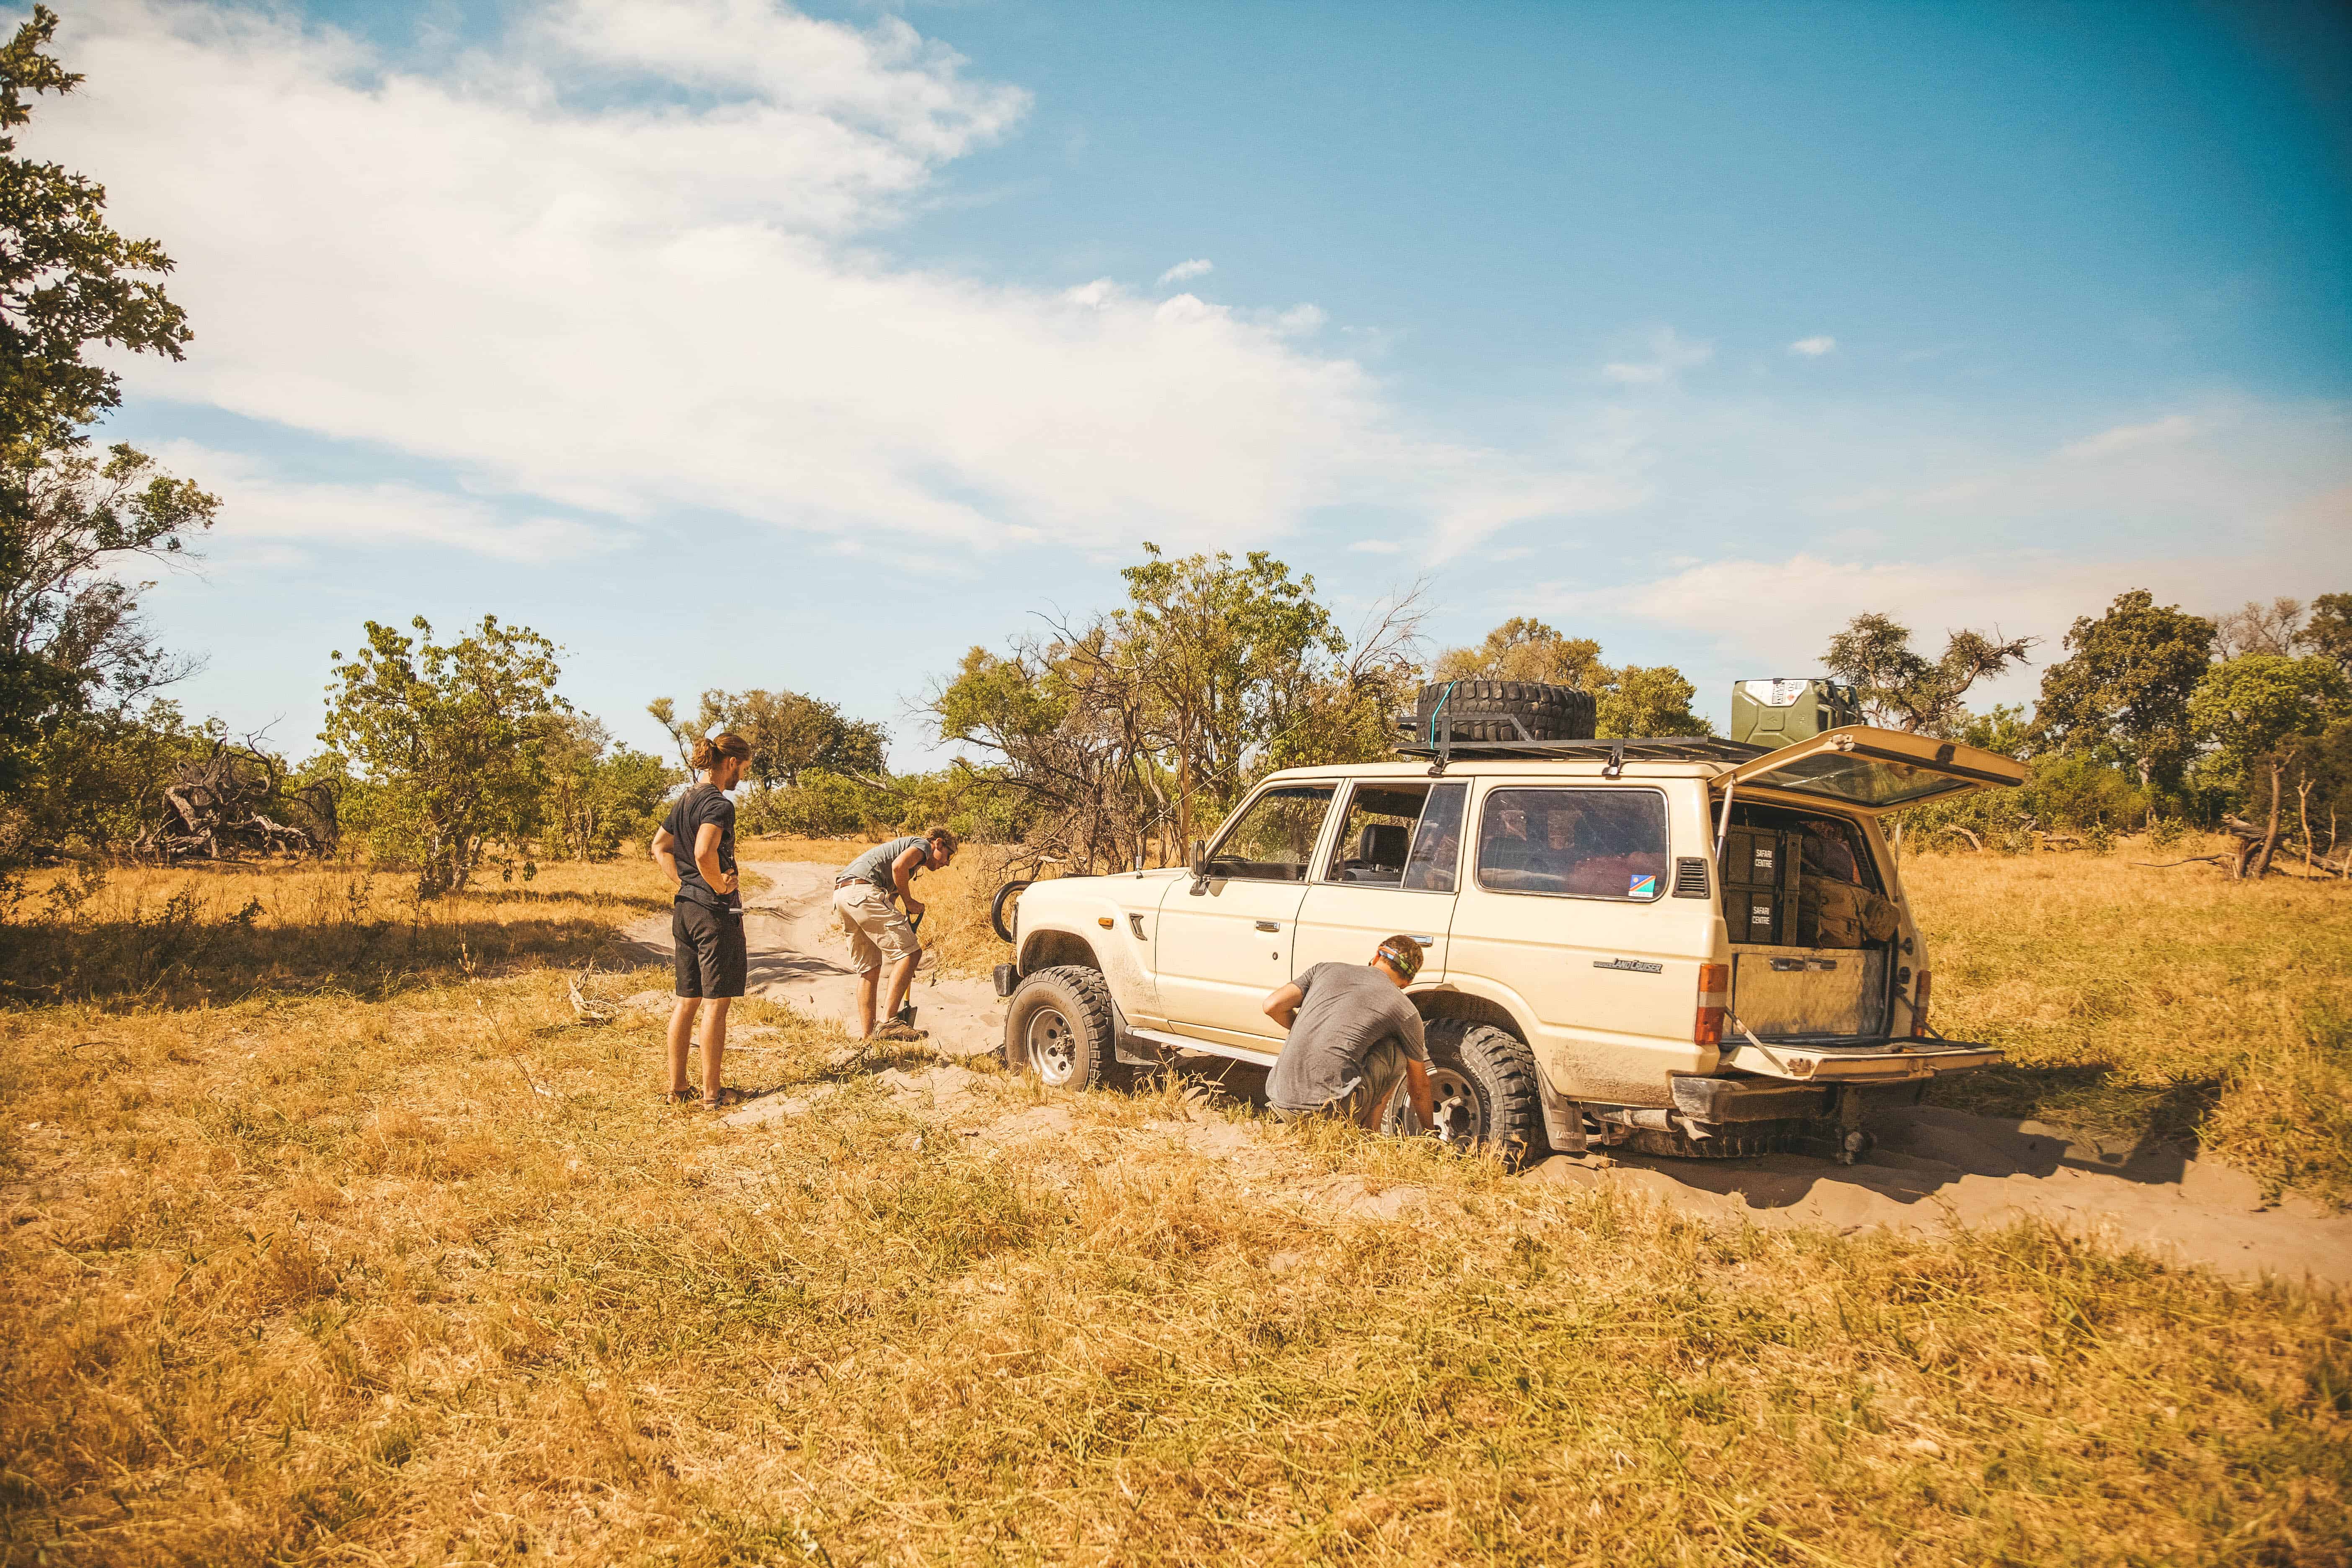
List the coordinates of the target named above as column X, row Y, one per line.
column 2270, row 829
column 2303, row 814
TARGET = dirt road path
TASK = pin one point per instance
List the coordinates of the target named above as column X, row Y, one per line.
column 1934, row 1169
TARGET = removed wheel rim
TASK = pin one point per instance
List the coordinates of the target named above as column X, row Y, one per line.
column 1053, row 1047
column 1457, row 1102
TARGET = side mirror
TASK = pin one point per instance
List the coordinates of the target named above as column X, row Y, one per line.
column 1200, row 859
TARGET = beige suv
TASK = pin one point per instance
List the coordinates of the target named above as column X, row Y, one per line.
column 1682, row 947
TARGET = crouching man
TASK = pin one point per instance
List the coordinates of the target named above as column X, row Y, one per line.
column 879, row 929
column 1352, row 1037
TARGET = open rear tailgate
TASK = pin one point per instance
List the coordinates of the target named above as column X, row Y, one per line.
column 1863, row 769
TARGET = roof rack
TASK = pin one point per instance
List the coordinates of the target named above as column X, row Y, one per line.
column 1656, row 749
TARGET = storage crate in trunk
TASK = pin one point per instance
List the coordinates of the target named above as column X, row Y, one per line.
column 1759, row 915
column 1797, row 992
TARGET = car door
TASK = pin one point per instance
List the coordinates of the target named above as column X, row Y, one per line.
column 1224, row 938
column 1391, row 870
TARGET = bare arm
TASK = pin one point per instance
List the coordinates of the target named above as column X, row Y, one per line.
column 902, row 872
column 1282, row 1004
column 665, row 853
column 1416, row 1089
column 706, row 858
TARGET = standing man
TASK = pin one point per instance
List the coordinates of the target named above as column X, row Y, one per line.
column 696, row 846
column 1352, row 1037
column 879, row 929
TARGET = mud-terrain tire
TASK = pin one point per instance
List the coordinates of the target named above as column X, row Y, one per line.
column 1059, row 1025
column 1483, row 710
column 996, row 920
column 1733, row 1140
column 1483, row 1080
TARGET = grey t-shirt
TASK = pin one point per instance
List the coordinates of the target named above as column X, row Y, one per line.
column 874, row 866
column 1349, row 1009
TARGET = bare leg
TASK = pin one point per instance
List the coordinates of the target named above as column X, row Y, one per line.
column 902, row 975
column 867, row 980
column 714, row 1047
column 681, row 1035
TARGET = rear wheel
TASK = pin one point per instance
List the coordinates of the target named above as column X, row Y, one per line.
column 1482, row 1084
column 1059, row 1026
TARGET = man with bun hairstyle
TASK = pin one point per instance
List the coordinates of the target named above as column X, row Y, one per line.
column 695, row 848
column 878, row 929
column 1352, row 1037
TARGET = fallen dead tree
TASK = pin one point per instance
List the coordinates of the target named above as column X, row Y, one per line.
column 234, row 805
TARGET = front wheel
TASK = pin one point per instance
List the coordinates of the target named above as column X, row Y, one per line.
column 1482, row 1084
column 1059, row 1026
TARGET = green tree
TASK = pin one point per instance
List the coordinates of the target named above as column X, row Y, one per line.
column 2256, row 710
column 1903, row 688
column 2328, row 633
column 598, row 793
column 1630, row 701
column 447, row 742
column 790, row 733
column 2124, row 690
column 70, row 636
column 2004, row 727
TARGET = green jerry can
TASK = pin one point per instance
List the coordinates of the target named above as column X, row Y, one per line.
column 1776, row 713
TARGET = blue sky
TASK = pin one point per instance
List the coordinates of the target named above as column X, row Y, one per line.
column 733, row 345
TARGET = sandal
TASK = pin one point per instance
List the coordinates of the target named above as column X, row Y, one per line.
column 896, row 1029
column 725, row 1098
column 681, row 1096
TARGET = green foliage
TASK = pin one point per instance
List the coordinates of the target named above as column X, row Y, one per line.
column 2328, row 633
column 790, row 733
column 71, row 637
column 2124, row 692
column 2254, row 707
column 1630, row 701
column 446, row 740
column 1903, row 689
column 2006, row 728
column 66, row 281
column 598, row 794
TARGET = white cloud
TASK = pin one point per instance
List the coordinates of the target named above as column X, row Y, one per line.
column 2123, row 437
column 1812, row 348
column 262, row 513
column 1199, row 267
column 625, row 261
column 1376, row 546
column 1300, row 319
column 1670, row 355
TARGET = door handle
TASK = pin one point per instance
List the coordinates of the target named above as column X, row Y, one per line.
column 1269, row 925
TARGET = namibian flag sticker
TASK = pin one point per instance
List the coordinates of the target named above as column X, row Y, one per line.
column 1641, row 886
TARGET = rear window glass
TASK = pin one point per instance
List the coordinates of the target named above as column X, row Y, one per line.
column 1400, row 836
column 1576, row 843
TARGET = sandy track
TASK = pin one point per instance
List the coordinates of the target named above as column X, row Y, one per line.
column 1934, row 1169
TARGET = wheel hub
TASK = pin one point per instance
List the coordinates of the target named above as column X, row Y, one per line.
column 1455, row 1101
column 1052, row 1049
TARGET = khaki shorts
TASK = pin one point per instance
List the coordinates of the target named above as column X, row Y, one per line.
column 876, row 929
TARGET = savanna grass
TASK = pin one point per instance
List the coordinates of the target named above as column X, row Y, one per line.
column 429, row 1275
column 2151, row 1006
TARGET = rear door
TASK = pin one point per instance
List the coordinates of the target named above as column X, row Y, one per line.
column 1391, row 870
column 1224, row 940
column 1860, row 769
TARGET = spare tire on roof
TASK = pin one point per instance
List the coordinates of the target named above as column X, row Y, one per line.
column 1483, row 711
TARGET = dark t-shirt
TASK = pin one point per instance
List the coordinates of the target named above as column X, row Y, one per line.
column 699, row 804
column 1348, row 1008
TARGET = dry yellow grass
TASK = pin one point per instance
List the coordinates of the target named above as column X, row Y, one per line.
column 305, row 1266
column 2152, row 1004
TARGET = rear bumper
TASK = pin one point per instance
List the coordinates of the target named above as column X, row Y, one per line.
column 1881, row 1062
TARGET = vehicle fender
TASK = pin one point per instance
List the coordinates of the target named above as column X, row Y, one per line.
column 1064, row 935
column 1596, row 1074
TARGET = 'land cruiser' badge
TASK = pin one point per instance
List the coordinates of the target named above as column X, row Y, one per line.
column 1630, row 966
column 1641, row 886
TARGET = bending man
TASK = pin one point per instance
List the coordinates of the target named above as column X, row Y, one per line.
column 1352, row 1037
column 695, row 845
column 878, row 929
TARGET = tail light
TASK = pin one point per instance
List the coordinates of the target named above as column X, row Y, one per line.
column 1714, row 1000
column 1919, row 1007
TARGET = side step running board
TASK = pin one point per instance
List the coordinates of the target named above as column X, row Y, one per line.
column 1210, row 1048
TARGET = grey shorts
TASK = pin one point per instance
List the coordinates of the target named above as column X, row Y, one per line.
column 1383, row 1076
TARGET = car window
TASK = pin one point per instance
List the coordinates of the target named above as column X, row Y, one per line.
column 1581, row 843
column 1376, row 834
column 1437, row 841
column 1275, row 835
